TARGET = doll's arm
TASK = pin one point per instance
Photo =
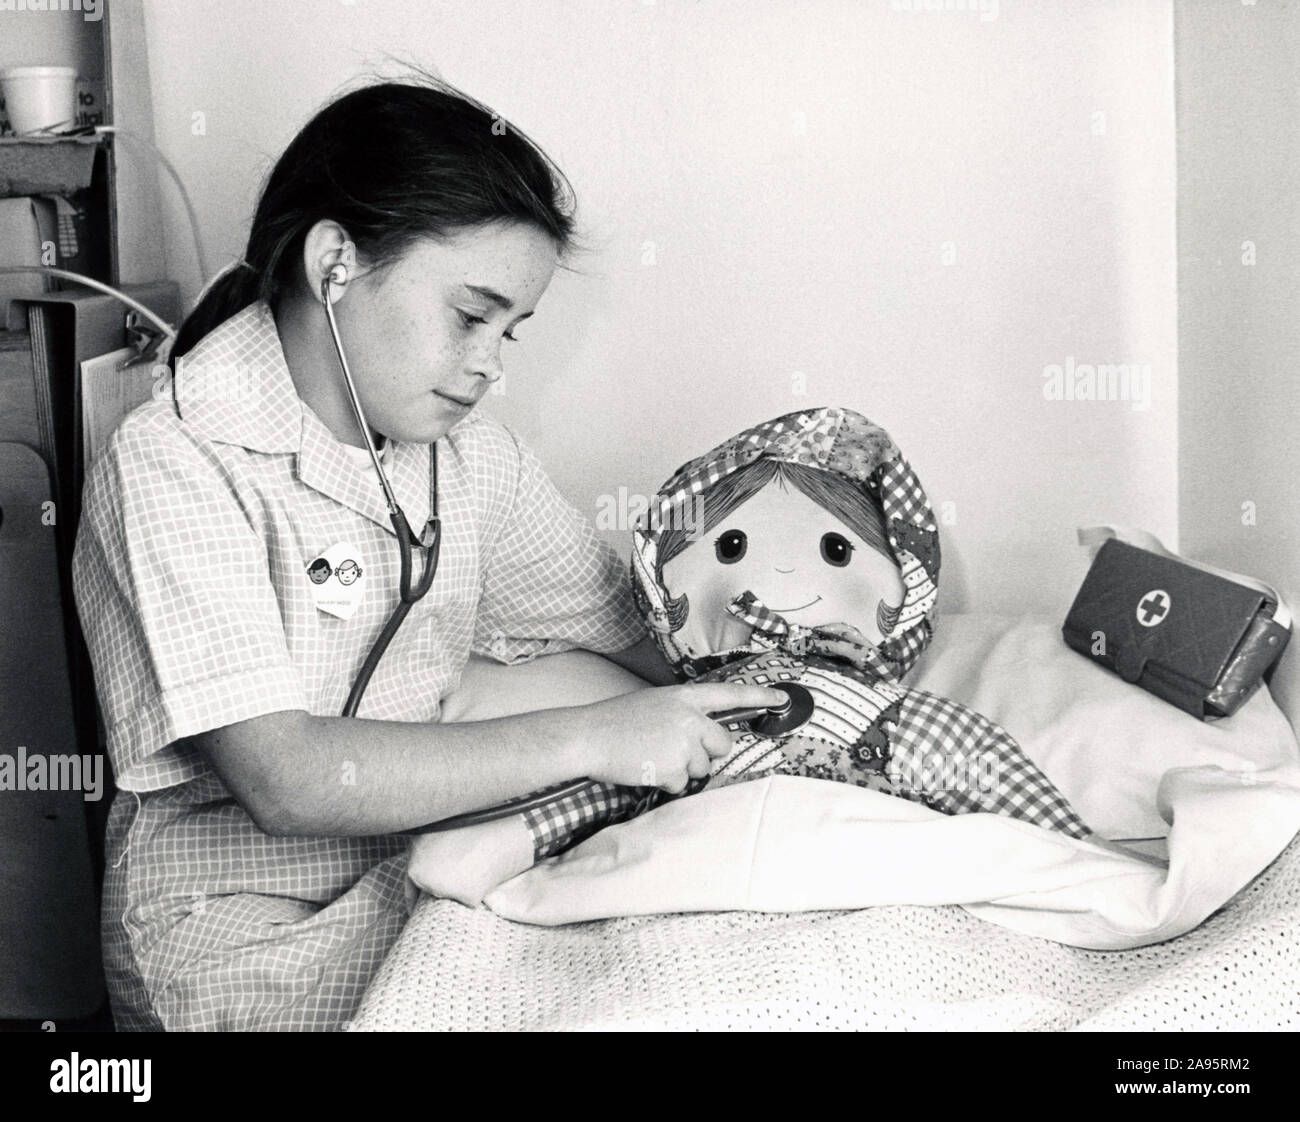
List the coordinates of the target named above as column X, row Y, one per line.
column 468, row 863
column 561, row 824
column 959, row 762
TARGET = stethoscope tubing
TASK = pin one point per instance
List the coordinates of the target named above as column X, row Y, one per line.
column 503, row 810
column 410, row 593
column 372, row 659
column 798, row 705
column 354, row 398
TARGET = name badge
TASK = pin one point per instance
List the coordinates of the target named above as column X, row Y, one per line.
column 338, row 580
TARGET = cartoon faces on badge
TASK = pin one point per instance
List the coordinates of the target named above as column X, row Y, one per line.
column 809, row 545
column 346, row 571
column 336, row 580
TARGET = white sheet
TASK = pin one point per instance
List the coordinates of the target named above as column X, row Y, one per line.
column 784, row 844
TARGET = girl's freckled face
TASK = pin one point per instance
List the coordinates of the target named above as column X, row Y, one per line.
column 425, row 336
column 795, row 556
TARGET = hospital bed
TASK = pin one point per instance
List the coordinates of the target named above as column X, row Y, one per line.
column 912, row 966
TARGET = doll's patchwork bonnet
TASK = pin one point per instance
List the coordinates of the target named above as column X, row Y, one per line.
column 833, row 440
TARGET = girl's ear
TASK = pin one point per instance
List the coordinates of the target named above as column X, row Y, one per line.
column 328, row 254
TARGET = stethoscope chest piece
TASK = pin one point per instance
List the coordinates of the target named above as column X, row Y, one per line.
column 775, row 721
column 789, row 718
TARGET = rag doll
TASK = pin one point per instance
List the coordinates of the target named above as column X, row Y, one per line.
column 801, row 551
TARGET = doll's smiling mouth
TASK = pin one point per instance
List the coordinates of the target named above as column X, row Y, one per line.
column 800, row 608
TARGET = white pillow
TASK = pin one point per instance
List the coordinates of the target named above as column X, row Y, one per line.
column 1105, row 743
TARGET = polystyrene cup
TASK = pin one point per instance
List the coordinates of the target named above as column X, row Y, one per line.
column 40, row 97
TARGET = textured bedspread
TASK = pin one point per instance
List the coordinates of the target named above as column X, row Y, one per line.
column 899, row 967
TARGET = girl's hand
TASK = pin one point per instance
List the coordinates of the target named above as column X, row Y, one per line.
column 664, row 737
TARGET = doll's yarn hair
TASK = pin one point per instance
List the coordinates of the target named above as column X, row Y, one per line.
column 849, row 502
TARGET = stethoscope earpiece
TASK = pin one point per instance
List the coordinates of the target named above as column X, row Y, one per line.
column 330, row 284
column 337, row 276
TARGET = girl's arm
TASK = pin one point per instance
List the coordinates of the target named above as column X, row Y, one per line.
column 646, row 661
column 296, row 774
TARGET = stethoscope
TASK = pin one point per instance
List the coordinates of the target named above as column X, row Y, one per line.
column 768, row 721
column 429, row 543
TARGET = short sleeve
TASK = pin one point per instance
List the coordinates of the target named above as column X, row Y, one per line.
column 549, row 583
column 174, row 594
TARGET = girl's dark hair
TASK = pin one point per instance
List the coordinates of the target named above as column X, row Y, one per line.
column 846, row 500
column 390, row 163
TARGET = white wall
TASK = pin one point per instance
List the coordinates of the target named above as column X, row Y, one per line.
column 1239, row 323
column 140, row 249
column 768, row 189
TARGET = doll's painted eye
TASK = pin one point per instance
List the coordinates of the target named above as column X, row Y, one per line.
column 837, row 550
column 731, row 547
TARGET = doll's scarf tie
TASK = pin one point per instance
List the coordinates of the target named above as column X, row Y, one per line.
column 767, row 624
column 836, row 641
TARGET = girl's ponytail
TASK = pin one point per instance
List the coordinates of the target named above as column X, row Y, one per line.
column 230, row 292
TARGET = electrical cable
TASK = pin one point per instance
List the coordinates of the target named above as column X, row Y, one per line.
column 90, row 282
column 200, row 254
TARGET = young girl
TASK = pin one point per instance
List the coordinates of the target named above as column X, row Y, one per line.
column 255, row 864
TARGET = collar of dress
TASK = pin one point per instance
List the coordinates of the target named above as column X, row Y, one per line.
column 234, row 388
